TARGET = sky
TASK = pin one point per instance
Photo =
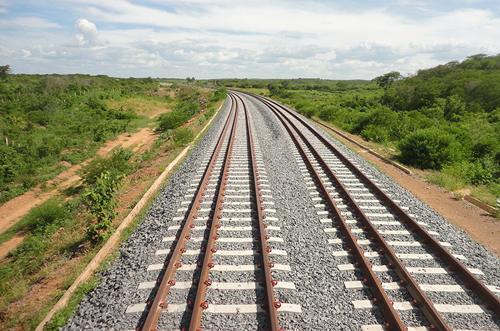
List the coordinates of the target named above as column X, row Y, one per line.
column 208, row 39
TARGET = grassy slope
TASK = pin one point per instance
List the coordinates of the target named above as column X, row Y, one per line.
column 56, row 248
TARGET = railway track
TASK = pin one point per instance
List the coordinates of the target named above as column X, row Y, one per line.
column 316, row 241
column 229, row 214
column 357, row 211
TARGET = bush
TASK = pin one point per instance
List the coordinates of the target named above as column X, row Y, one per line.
column 480, row 172
column 308, row 111
column 209, row 113
column 42, row 221
column 188, row 108
column 46, row 215
column 101, row 203
column 328, row 113
column 117, row 163
column 488, row 145
column 375, row 133
column 183, row 136
column 219, row 94
column 172, row 120
column 494, row 116
column 430, row 148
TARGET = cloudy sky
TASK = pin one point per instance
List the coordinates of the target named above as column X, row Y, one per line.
column 337, row 39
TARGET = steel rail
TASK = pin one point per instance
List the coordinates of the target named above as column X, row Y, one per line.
column 420, row 298
column 167, row 281
column 271, row 305
column 471, row 282
column 204, row 282
column 393, row 322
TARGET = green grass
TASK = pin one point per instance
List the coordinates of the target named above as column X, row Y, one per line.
column 51, row 214
column 447, row 181
column 55, row 236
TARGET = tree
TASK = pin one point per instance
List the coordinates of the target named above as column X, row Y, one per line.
column 5, row 71
column 385, row 81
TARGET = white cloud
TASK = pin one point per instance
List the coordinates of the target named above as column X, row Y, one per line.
column 88, row 33
column 35, row 22
column 253, row 38
column 29, row 23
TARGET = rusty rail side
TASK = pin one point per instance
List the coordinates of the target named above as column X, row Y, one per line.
column 171, row 265
column 204, row 281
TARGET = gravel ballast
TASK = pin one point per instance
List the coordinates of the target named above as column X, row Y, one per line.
column 319, row 284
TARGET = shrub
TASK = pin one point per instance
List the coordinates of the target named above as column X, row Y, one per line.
column 188, row 108
column 219, row 94
column 480, row 172
column 308, row 111
column 183, row 136
column 117, row 163
column 379, row 134
column 430, row 148
column 488, row 145
column 208, row 113
column 42, row 221
column 172, row 120
column 327, row 113
column 47, row 215
column 100, row 198
column 494, row 116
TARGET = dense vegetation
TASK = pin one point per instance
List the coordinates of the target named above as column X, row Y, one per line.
column 62, row 234
column 50, row 119
column 445, row 119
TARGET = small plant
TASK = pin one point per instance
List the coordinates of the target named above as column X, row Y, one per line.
column 100, row 198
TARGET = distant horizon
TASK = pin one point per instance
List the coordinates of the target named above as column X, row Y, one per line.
column 355, row 39
column 196, row 79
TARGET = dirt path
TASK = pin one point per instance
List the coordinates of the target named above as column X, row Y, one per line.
column 13, row 210
column 478, row 224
